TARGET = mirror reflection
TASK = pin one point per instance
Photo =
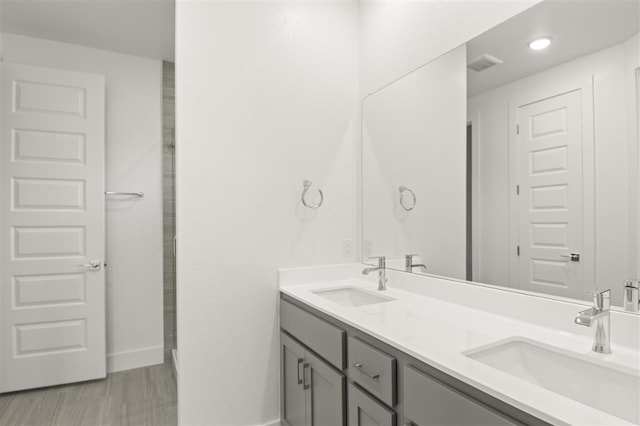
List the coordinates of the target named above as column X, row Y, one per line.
column 513, row 160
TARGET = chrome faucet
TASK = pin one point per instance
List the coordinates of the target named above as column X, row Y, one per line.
column 382, row 272
column 631, row 296
column 409, row 265
column 598, row 318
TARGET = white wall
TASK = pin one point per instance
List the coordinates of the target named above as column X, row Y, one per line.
column 267, row 96
column 616, row 166
column 397, row 37
column 414, row 135
column 490, row 189
column 133, row 163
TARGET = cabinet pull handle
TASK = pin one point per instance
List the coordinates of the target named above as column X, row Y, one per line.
column 305, row 385
column 360, row 366
column 299, row 364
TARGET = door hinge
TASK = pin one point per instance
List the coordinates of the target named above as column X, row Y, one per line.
column 518, row 250
column 517, row 189
column 517, row 129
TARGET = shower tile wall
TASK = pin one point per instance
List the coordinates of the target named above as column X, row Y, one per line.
column 169, row 213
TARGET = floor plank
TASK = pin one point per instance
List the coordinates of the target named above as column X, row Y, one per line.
column 144, row 396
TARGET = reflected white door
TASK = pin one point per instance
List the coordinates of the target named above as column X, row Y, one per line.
column 549, row 145
column 52, row 312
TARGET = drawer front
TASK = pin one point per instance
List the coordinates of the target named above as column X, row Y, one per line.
column 325, row 339
column 430, row 402
column 365, row 411
column 372, row 369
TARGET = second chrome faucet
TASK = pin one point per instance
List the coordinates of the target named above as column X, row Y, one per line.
column 382, row 272
column 409, row 265
column 598, row 318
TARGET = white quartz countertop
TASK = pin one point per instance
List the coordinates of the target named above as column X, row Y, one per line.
column 438, row 332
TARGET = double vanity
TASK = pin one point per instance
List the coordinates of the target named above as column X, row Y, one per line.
column 432, row 351
column 483, row 162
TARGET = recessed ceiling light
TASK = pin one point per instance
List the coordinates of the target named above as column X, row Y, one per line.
column 540, row 43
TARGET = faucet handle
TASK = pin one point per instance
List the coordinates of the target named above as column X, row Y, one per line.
column 601, row 299
column 381, row 261
column 635, row 284
column 631, row 295
column 408, row 261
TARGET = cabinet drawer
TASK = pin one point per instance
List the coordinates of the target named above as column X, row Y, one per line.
column 372, row 369
column 325, row 339
column 364, row 410
column 430, row 402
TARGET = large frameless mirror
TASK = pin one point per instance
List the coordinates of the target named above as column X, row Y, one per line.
column 504, row 164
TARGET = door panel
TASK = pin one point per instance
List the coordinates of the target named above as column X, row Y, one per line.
column 293, row 392
column 48, row 194
column 46, row 146
column 326, row 396
column 42, row 290
column 549, row 146
column 52, row 316
column 48, row 97
column 365, row 411
column 50, row 337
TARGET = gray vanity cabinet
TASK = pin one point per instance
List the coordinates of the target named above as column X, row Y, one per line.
column 386, row 387
column 312, row 357
column 312, row 392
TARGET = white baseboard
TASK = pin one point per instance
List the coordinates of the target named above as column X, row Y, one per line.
column 137, row 358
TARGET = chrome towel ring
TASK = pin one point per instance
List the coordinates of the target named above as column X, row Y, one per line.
column 306, row 185
column 404, row 191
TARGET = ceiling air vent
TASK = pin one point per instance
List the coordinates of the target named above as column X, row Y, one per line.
column 483, row 62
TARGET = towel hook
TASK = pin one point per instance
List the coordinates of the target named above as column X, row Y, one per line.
column 404, row 190
column 307, row 184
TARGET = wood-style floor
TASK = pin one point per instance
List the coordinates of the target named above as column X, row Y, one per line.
column 144, row 396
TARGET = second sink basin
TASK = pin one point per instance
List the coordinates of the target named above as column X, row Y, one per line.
column 612, row 389
column 352, row 296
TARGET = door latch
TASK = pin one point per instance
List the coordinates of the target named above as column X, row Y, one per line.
column 574, row 257
column 93, row 265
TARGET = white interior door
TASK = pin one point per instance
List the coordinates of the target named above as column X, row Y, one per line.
column 52, row 312
column 550, row 227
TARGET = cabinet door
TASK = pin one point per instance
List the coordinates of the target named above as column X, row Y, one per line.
column 428, row 402
column 365, row 411
column 291, row 382
column 326, row 396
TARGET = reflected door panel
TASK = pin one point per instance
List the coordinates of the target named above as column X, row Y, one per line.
column 549, row 146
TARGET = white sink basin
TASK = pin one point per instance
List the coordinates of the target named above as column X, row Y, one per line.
column 610, row 388
column 351, row 296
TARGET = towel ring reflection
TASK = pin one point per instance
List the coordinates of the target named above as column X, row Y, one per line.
column 307, row 184
column 403, row 191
